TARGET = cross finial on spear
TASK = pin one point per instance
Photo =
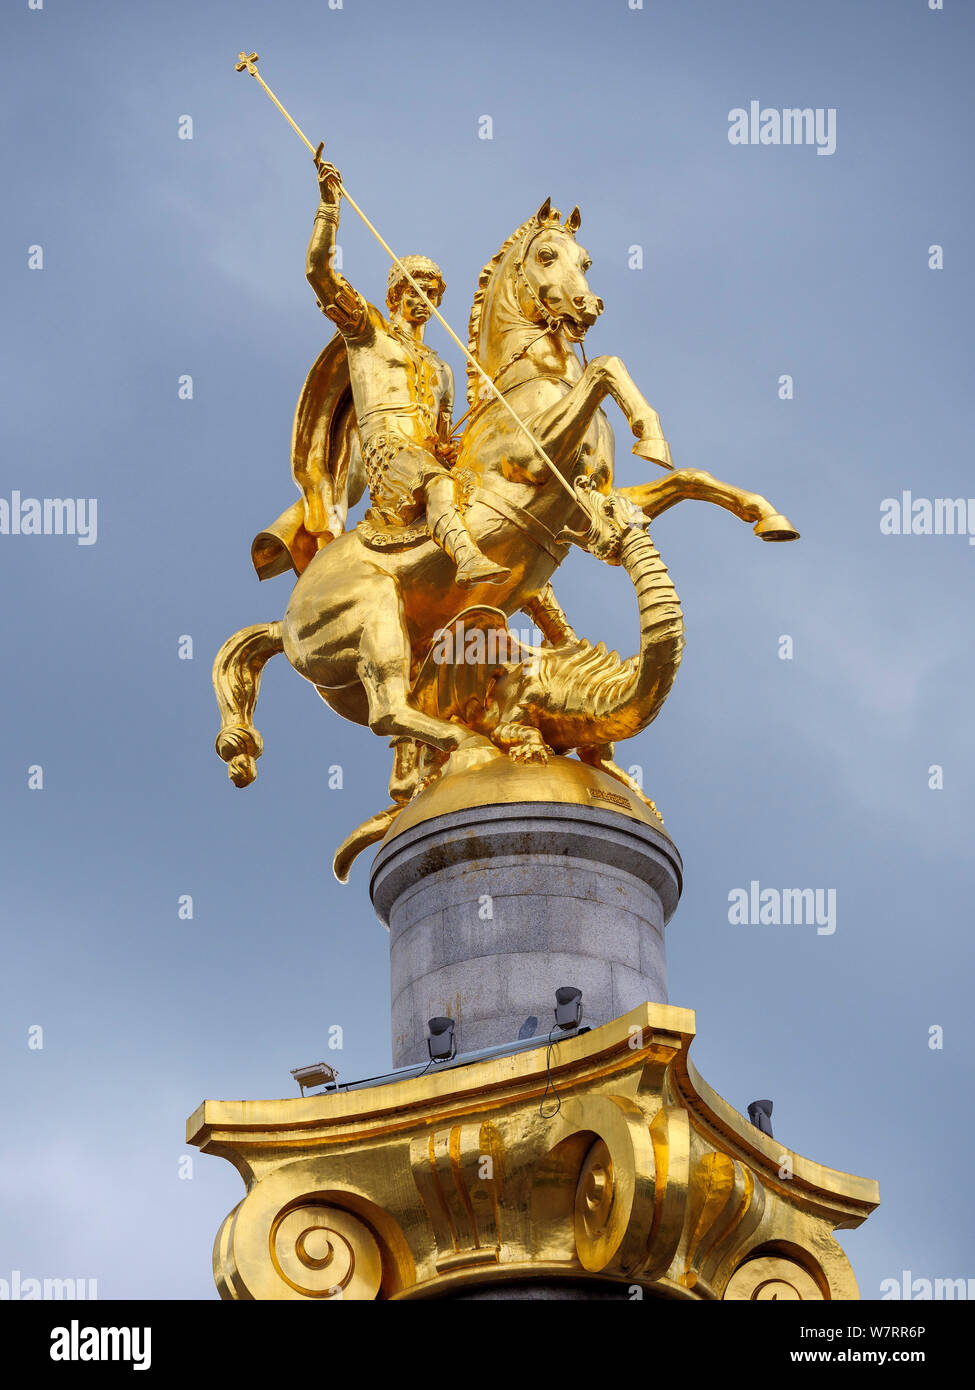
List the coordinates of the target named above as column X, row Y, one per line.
column 247, row 62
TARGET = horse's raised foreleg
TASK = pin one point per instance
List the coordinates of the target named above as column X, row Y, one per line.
column 562, row 428
column 654, row 498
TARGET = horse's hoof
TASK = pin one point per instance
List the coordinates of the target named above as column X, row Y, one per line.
column 776, row 528
column 654, row 450
column 466, row 759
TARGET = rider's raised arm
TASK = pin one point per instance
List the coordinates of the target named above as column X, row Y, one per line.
column 337, row 299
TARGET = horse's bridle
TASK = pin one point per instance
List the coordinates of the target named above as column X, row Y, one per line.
column 554, row 323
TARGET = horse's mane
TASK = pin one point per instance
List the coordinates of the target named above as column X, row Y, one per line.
column 474, row 380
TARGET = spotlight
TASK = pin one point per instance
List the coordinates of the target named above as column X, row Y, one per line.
column 318, row 1074
column 760, row 1114
column 568, row 1007
column 441, row 1042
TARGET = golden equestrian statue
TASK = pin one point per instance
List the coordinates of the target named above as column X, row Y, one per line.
column 462, row 532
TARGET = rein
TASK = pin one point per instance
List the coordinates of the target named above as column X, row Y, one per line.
column 486, row 401
column 535, row 530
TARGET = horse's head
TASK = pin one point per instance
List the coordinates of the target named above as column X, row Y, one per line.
column 537, row 279
column 550, row 268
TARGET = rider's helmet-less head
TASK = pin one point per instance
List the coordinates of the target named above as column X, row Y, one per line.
column 416, row 265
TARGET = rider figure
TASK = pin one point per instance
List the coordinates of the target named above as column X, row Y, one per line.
column 402, row 391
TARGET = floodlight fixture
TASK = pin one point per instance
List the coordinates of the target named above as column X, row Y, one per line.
column 568, row 1007
column 441, row 1042
column 318, row 1074
column 760, row 1114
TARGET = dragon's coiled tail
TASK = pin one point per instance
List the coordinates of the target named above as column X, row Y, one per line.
column 237, row 682
column 596, row 698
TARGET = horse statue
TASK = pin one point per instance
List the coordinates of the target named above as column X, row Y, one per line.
column 368, row 608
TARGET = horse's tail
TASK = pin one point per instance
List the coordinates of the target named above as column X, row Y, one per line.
column 237, row 682
column 361, row 838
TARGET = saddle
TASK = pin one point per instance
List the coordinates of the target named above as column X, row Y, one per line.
column 378, row 534
column 381, row 535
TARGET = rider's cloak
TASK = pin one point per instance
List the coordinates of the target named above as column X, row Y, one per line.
column 324, row 454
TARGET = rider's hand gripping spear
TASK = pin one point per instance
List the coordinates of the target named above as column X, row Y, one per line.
column 247, row 62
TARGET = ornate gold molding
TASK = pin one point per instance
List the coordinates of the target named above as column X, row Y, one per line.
column 643, row 1178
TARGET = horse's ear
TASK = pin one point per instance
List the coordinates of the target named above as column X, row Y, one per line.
column 544, row 212
column 574, row 220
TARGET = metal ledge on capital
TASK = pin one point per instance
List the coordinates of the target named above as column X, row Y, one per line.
column 613, row 1168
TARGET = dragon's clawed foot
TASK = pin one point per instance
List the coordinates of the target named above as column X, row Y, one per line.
column 522, row 742
column 530, row 753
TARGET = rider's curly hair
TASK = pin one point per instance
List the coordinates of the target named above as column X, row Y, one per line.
column 414, row 264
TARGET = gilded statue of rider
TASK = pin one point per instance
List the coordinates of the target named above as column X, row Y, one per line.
column 402, row 391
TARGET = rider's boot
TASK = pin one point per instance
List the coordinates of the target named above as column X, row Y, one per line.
column 448, row 529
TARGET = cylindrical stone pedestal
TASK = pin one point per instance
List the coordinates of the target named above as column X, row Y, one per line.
column 491, row 908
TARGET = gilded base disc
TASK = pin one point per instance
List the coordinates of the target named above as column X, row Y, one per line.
column 502, row 782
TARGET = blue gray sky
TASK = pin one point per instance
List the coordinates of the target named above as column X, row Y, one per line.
column 164, row 257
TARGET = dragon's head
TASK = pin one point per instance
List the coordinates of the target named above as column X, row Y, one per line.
column 610, row 516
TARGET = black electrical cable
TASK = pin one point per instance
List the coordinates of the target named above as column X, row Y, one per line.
column 549, row 1084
